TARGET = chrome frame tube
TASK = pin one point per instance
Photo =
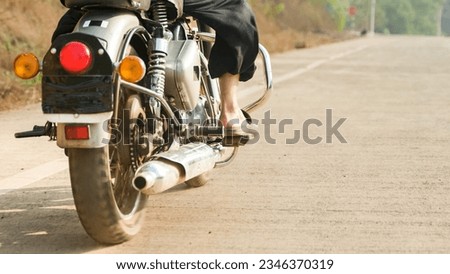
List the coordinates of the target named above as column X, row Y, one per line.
column 206, row 36
column 269, row 81
column 208, row 82
column 154, row 94
column 228, row 160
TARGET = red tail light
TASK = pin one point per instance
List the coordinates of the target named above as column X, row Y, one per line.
column 75, row 57
column 77, row 132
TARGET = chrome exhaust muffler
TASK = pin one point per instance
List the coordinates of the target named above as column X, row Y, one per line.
column 174, row 167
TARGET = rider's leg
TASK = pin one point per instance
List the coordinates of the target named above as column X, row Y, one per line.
column 234, row 51
column 231, row 112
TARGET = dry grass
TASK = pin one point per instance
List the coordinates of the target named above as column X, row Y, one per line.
column 25, row 26
column 302, row 24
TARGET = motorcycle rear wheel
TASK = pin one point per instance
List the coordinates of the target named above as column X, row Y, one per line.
column 109, row 211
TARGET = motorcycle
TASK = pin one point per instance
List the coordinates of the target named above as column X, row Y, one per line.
column 129, row 98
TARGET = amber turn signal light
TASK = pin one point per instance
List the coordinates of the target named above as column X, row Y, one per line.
column 132, row 69
column 26, row 66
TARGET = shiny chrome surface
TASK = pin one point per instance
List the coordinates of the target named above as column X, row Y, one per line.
column 269, row 81
column 173, row 167
column 154, row 94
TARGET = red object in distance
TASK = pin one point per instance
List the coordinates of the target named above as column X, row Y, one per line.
column 352, row 10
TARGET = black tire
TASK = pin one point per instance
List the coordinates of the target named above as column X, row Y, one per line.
column 108, row 206
column 109, row 210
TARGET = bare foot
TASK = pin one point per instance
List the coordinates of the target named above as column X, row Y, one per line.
column 234, row 117
column 231, row 112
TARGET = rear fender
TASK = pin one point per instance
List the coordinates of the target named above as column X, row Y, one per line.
column 110, row 26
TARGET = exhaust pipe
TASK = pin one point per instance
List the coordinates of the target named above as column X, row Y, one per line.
column 171, row 168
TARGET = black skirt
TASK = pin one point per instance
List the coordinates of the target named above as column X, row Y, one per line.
column 236, row 45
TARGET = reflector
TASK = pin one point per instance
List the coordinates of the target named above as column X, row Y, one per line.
column 132, row 69
column 77, row 132
column 75, row 57
column 26, row 66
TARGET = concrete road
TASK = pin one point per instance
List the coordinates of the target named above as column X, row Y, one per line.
column 379, row 184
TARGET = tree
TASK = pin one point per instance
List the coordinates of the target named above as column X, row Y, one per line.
column 424, row 21
column 402, row 16
column 399, row 16
column 446, row 18
column 338, row 10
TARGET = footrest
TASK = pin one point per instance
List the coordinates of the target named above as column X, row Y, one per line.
column 209, row 131
column 38, row 131
column 235, row 141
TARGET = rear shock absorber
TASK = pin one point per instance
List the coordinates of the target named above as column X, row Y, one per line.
column 157, row 70
column 158, row 54
column 160, row 13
